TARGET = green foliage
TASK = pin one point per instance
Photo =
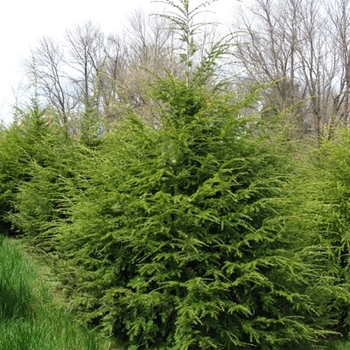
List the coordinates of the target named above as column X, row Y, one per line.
column 20, row 145
column 90, row 127
column 50, row 160
column 177, row 240
column 40, row 202
column 323, row 203
column 338, row 345
column 200, row 233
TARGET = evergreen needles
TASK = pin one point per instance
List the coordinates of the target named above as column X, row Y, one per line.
column 196, row 232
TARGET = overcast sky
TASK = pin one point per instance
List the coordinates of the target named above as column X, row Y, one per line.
column 24, row 22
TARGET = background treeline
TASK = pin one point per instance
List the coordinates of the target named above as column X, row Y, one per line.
column 300, row 45
column 183, row 209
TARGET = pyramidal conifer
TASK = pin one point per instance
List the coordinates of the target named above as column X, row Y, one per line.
column 178, row 238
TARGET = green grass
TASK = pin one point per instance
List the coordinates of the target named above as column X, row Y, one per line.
column 30, row 319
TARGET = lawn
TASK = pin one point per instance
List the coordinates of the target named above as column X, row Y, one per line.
column 30, row 318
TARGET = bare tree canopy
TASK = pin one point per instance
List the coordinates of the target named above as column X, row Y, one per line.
column 302, row 46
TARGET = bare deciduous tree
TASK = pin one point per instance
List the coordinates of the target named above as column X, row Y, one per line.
column 85, row 47
column 288, row 42
column 339, row 30
column 47, row 68
column 91, row 74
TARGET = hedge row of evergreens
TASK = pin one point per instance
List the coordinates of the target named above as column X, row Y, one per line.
column 209, row 229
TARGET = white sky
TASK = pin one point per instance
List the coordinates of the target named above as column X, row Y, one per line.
column 24, row 22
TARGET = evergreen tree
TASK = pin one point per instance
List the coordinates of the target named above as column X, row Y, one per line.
column 179, row 241
column 21, row 144
column 320, row 205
